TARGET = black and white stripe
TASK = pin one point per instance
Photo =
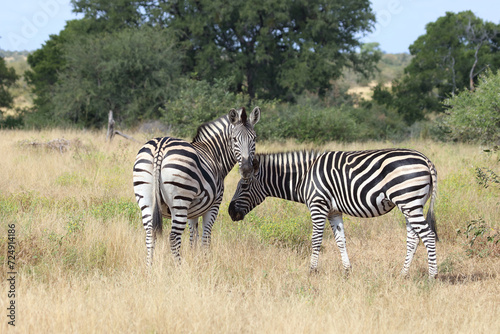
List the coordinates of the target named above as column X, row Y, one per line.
column 361, row 184
column 184, row 181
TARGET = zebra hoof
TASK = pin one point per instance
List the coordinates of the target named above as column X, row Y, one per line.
column 313, row 271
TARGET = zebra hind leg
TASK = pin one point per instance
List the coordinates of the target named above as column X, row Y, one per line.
column 208, row 222
column 412, row 241
column 179, row 221
column 318, row 216
column 193, row 232
column 150, row 246
column 338, row 230
column 419, row 225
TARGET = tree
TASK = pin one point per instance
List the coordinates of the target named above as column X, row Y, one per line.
column 447, row 59
column 274, row 48
column 132, row 72
column 45, row 64
column 8, row 78
column 475, row 115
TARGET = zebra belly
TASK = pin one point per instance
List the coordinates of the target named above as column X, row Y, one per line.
column 198, row 207
column 366, row 209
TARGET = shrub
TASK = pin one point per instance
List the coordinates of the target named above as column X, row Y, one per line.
column 199, row 102
column 475, row 115
column 481, row 240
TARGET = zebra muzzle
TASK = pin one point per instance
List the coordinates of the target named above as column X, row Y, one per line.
column 234, row 212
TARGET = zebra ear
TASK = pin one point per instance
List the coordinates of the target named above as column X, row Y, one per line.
column 234, row 116
column 255, row 116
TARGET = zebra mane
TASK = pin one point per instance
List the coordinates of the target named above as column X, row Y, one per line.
column 201, row 131
column 311, row 153
column 277, row 156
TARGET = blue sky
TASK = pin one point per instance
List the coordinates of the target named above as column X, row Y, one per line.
column 27, row 24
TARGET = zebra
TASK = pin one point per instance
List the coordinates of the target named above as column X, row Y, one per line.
column 184, row 181
column 357, row 183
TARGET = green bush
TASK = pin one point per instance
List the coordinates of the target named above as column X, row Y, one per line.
column 481, row 240
column 199, row 102
column 313, row 122
column 475, row 115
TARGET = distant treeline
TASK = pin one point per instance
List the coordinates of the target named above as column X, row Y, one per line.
column 187, row 62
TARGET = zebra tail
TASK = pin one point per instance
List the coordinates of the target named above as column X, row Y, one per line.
column 431, row 217
column 157, row 216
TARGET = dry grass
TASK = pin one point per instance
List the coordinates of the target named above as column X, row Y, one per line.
column 80, row 254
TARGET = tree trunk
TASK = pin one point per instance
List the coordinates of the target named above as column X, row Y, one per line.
column 112, row 132
column 111, row 127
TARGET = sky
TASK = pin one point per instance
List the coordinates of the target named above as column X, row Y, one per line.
column 27, row 24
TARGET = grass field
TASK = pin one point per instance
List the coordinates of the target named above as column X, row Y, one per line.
column 79, row 253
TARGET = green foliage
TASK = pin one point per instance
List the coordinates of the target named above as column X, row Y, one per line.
column 448, row 58
column 313, row 121
column 271, row 49
column 475, row 115
column 283, row 231
column 408, row 98
column 12, row 122
column 8, row 78
column 70, row 179
column 134, row 84
column 45, row 64
column 116, row 207
column 481, row 240
column 75, row 224
column 198, row 102
column 486, row 177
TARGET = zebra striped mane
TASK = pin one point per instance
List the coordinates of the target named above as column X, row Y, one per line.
column 301, row 153
column 201, row 132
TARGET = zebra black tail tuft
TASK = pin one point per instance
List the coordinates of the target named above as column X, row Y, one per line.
column 431, row 217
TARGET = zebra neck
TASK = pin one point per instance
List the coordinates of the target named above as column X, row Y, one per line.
column 212, row 142
column 282, row 174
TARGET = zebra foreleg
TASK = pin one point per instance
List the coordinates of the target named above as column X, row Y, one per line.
column 338, row 230
column 411, row 247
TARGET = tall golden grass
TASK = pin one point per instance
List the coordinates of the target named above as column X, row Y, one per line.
column 80, row 253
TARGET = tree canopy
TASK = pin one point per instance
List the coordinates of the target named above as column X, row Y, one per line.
column 132, row 72
column 447, row 59
column 272, row 48
column 8, row 78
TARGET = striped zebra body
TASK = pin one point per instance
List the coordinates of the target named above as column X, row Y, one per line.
column 184, row 181
column 361, row 184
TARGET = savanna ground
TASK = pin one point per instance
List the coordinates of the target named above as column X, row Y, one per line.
column 80, row 253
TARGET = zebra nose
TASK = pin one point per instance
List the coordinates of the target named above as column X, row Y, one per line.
column 234, row 213
column 246, row 168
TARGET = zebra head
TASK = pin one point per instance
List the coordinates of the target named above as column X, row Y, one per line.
column 243, row 138
column 249, row 193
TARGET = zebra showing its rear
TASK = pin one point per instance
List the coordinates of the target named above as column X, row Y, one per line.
column 183, row 181
column 361, row 184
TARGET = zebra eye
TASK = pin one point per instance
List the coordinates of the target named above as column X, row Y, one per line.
column 244, row 186
column 235, row 140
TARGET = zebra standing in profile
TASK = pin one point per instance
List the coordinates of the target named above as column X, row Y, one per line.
column 183, row 181
column 361, row 184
